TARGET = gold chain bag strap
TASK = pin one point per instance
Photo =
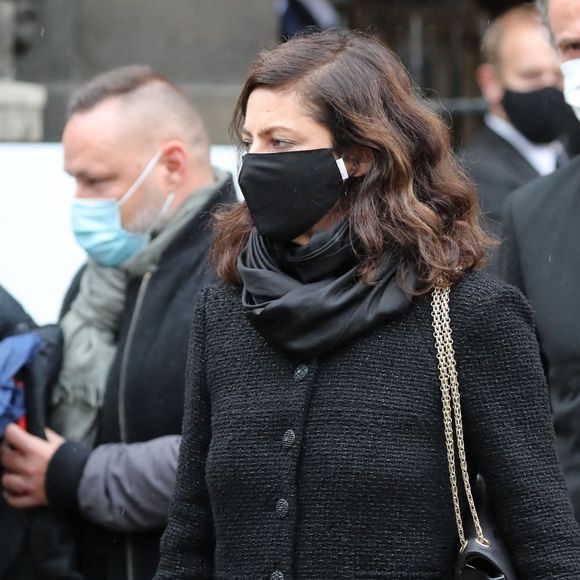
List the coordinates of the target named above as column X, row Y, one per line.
column 482, row 553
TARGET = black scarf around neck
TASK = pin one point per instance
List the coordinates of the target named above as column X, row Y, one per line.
column 308, row 300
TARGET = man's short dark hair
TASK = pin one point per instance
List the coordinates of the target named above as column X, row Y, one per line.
column 140, row 88
column 115, row 83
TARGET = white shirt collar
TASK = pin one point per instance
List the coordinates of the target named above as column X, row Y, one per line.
column 541, row 157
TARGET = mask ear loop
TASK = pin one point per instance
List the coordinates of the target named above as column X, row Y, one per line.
column 141, row 178
column 166, row 204
column 342, row 168
column 343, row 171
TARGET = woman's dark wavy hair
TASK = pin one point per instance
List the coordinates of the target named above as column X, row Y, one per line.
column 415, row 203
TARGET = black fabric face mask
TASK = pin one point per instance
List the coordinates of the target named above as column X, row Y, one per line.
column 540, row 116
column 288, row 193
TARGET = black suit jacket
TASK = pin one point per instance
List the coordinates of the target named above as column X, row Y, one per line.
column 497, row 168
column 541, row 255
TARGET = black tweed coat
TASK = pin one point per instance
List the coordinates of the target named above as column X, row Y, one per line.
column 336, row 469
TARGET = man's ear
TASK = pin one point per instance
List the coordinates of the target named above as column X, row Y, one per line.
column 358, row 160
column 490, row 84
column 175, row 159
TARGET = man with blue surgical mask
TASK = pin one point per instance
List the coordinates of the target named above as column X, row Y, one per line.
column 98, row 226
column 541, row 256
column 139, row 153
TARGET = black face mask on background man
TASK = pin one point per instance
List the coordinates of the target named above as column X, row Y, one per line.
column 541, row 116
column 288, row 193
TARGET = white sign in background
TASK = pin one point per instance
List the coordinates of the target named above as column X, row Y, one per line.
column 38, row 253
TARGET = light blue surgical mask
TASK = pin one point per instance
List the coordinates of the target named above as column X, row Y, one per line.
column 98, row 228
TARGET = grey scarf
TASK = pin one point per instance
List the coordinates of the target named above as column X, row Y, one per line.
column 90, row 326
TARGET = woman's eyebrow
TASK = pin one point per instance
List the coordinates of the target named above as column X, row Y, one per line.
column 269, row 130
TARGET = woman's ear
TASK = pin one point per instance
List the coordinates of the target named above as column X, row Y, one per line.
column 358, row 160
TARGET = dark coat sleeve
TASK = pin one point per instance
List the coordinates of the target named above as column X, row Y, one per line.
column 188, row 542
column 509, row 259
column 13, row 317
column 510, row 436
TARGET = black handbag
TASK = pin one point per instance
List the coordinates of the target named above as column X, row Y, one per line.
column 482, row 552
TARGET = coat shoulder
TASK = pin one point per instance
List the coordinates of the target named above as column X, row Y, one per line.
column 489, row 153
column 221, row 305
column 483, row 294
column 223, row 294
column 540, row 195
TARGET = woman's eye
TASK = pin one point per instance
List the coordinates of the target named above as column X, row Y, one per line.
column 246, row 144
column 277, row 143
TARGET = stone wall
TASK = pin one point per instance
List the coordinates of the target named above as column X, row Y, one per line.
column 21, row 103
column 206, row 46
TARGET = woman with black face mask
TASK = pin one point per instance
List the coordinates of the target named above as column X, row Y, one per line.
column 322, row 432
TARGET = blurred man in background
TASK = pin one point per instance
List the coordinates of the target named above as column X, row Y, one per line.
column 541, row 256
column 521, row 82
column 140, row 155
column 297, row 15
